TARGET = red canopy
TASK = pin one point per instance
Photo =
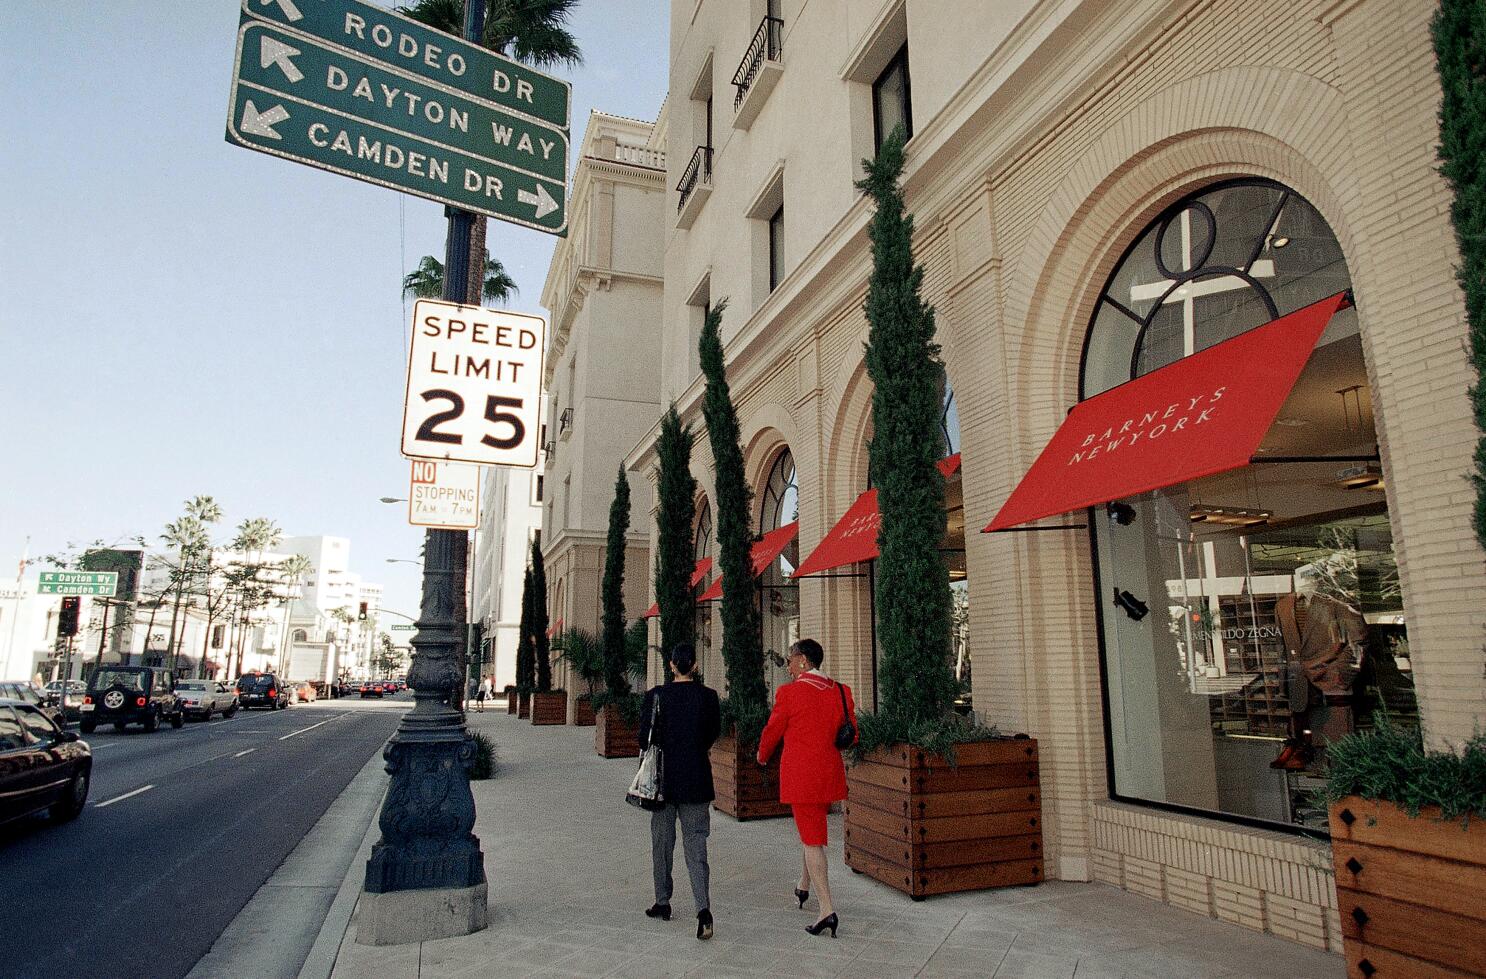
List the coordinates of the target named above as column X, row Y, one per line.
column 697, row 574
column 854, row 538
column 1201, row 415
column 765, row 550
column 555, row 629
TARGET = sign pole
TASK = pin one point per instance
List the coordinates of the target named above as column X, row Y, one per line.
column 425, row 878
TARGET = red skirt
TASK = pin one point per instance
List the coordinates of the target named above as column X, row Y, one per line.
column 810, row 821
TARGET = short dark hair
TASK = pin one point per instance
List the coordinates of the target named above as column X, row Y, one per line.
column 812, row 651
column 684, row 657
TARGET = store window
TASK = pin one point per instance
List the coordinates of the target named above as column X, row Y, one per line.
column 779, row 595
column 1247, row 618
column 702, row 548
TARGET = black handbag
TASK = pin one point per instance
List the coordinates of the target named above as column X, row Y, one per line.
column 846, row 734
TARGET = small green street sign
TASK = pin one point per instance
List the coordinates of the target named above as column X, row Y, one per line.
column 104, row 584
column 401, row 627
column 313, row 101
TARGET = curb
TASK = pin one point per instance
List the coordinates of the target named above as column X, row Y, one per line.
column 320, row 963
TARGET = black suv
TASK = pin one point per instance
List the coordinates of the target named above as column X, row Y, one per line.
column 261, row 690
column 121, row 695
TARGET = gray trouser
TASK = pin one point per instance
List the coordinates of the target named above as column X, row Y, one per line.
column 696, row 826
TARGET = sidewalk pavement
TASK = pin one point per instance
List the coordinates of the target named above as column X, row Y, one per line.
column 568, row 864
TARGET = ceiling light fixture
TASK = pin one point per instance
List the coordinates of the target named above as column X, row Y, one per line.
column 1228, row 516
column 1366, row 476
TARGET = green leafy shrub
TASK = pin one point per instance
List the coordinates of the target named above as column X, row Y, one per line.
column 627, row 704
column 937, row 735
column 484, row 764
column 584, row 652
column 1389, row 764
column 746, row 719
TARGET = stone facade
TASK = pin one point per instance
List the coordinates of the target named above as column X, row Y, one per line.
column 1046, row 137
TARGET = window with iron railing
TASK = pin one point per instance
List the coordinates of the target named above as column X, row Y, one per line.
column 698, row 171
column 565, row 422
column 766, row 44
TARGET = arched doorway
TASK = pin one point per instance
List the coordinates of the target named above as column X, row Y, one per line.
column 1246, row 618
column 701, row 550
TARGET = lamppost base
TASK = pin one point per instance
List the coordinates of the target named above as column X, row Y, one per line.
column 400, row 917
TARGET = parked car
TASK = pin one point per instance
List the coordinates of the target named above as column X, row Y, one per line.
column 262, row 690
column 42, row 767
column 203, row 698
column 373, row 688
column 29, row 693
column 74, row 698
column 122, row 695
column 302, row 692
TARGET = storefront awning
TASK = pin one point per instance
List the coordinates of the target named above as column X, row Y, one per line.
column 765, row 550
column 854, row 537
column 555, row 629
column 697, row 574
column 1201, row 415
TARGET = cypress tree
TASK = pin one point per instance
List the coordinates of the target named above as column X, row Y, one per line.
column 1459, row 32
column 525, row 647
column 616, row 678
column 742, row 641
column 913, row 598
column 541, row 654
column 676, row 494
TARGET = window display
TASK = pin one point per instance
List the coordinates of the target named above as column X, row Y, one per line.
column 1251, row 617
column 779, row 595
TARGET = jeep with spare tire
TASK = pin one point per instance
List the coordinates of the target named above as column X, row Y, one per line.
column 122, row 695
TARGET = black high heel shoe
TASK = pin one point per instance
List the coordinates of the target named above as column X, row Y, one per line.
column 802, row 895
column 829, row 921
column 661, row 911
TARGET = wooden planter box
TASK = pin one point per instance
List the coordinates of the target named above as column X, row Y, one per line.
column 744, row 789
column 550, row 707
column 613, row 738
column 511, row 699
column 523, row 705
column 583, row 712
column 924, row 827
column 1411, row 890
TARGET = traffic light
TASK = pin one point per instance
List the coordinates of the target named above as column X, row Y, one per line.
column 361, row 614
column 67, row 618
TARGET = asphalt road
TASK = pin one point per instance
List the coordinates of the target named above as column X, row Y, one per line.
column 181, row 828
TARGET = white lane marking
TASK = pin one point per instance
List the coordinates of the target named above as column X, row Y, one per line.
column 100, row 747
column 310, row 728
column 121, row 798
column 247, row 752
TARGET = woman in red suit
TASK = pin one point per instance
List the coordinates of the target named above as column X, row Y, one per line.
column 807, row 714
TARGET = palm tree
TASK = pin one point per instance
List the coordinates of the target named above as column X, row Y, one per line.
column 190, row 537
column 533, row 31
column 254, row 536
column 427, row 280
column 292, row 571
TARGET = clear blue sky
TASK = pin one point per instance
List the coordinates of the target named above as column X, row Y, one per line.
column 182, row 316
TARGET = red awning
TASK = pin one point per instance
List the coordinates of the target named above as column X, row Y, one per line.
column 854, row 538
column 555, row 629
column 697, row 574
column 765, row 550
column 1201, row 415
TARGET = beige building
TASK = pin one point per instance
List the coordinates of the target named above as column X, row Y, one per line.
column 602, row 372
column 510, row 519
column 1101, row 190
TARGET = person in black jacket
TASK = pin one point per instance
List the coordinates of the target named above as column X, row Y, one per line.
column 690, row 720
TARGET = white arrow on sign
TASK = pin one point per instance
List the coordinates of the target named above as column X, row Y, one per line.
column 543, row 200
column 257, row 123
column 287, row 6
column 278, row 53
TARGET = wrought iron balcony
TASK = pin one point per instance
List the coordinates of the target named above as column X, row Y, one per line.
column 695, row 184
column 565, row 423
column 549, row 449
column 764, row 47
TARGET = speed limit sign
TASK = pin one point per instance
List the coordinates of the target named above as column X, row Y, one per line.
column 474, row 385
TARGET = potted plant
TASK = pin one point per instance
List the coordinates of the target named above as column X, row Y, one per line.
column 617, row 706
column 1408, row 843
column 585, row 654
column 936, row 803
column 511, row 699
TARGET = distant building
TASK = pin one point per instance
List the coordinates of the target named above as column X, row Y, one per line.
column 510, row 519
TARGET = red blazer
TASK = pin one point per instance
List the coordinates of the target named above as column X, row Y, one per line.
column 806, row 714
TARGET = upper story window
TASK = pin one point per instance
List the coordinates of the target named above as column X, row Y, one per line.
column 891, row 105
column 776, row 248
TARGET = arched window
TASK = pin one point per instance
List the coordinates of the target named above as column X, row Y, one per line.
column 299, row 635
column 1250, row 617
column 779, row 595
column 702, row 548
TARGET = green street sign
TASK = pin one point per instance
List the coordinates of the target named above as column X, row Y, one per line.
column 311, row 101
column 404, row 628
column 104, row 584
column 414, row 49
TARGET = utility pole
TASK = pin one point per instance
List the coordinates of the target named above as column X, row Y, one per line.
column 425, row 878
